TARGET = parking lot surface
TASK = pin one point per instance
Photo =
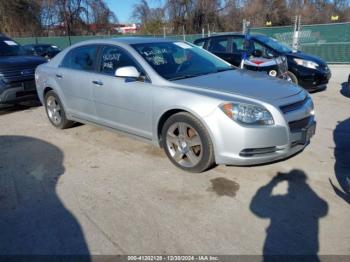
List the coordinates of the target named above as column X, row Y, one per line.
column 85, row 190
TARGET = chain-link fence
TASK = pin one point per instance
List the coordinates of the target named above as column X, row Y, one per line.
column 329, row 41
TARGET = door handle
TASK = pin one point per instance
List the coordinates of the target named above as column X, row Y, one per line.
column 97, row 82
column 59, row 76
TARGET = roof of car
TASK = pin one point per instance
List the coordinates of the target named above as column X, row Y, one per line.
column 228, row 34
column 141, row 40
column 4, row 37
column 124, row 41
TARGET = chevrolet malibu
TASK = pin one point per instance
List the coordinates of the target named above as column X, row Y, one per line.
column 201, row 110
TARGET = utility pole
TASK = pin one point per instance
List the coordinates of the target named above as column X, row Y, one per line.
column 183, row 32
column 245, row 26
column 296, row 33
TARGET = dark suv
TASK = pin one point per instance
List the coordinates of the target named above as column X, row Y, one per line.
column 310, row 72
column 16, row 72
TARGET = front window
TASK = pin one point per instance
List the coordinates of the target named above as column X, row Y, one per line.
column 274, row 44
column 238, row 44
column 218, row 44
column 176, row 60
column 113, row 58
column 10, row 48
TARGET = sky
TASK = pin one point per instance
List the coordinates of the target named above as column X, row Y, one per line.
column 123, row 8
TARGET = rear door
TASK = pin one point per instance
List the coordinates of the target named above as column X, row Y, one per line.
column 221, row 47
column 75, row 77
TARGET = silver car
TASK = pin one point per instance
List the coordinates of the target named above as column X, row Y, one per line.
column 196, row 106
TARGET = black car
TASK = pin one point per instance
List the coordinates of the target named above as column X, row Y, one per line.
column 310, row 72
column 45, row 50
column 16, row 72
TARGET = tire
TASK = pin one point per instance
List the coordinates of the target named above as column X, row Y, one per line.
column 187, row 143
column 55, row 111
column 293, row 77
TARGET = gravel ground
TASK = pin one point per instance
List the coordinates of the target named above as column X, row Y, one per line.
column 88, row 191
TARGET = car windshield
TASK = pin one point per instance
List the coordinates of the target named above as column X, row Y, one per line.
column 178, row 60
column 10, row 48
column 274, row 44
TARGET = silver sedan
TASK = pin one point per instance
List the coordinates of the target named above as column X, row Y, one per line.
column 197, row 107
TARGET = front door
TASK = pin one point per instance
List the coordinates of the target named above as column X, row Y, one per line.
column 220, row 46
column 122, row 103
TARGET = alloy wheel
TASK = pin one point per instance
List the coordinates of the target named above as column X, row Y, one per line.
column 184, row 144
column 53, row 110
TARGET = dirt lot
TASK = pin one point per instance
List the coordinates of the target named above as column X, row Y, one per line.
column 89, row 191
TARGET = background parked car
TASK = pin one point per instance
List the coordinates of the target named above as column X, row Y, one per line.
column 310, row 72
column 17, row 82
column 45, row 50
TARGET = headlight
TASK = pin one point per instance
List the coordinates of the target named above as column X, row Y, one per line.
column 306, row 63
column 247, row 114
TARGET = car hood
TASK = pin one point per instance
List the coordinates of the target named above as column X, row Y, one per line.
column 304, row 56
column 245, row 83
column 20, row 61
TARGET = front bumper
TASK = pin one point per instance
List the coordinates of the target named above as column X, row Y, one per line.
column 239, row 145
column 18, row 93
column 313, row 79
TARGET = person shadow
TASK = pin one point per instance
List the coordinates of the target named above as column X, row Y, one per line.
column 341, row 137
column 33, row 219
column 345, row 89
column 293, row 231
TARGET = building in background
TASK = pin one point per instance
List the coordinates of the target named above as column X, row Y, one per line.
column 127, row 28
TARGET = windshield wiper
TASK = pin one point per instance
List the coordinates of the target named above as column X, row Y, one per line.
column 225, row 69
column 188, row 76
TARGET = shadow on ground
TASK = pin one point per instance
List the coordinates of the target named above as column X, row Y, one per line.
column 294, row 216
column 33, row 220
column 8, row 109
column 345, row 89
column 341, row 136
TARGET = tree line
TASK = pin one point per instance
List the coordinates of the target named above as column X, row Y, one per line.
column 84, row 17
column 55, row 17
column 193, row 16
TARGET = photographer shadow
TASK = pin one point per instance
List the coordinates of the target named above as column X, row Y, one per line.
column 345, row 89
column 294, row 225
column 33, row 219
column 341, row 137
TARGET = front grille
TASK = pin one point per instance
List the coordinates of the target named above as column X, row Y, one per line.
column 249, row 152
column 298, row 125
column 17, row 74
column 294, row 106
column 28, row 85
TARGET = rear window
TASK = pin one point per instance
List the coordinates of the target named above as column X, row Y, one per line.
column 81, row 58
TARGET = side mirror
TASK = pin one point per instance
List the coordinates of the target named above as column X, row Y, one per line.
column 127, row 72
column 257, row 53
